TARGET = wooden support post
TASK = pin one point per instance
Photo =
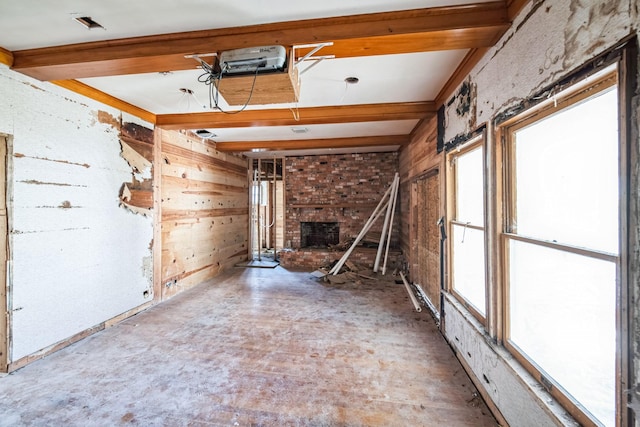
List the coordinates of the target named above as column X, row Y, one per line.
column 258, row 228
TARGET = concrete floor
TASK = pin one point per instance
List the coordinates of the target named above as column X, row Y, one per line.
column 255, row 347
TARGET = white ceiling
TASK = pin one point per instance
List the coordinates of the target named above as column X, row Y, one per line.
column 394, row 78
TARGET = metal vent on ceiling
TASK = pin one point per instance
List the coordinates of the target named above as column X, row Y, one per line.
column 203, row 133
column 87, row 22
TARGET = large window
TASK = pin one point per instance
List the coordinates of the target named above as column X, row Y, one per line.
column 466, row 227
column 562, row 247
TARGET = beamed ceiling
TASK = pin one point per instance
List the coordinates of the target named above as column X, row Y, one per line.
column 408, row 57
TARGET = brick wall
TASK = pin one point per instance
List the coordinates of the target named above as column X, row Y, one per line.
column 350, row 185
column 316, row 258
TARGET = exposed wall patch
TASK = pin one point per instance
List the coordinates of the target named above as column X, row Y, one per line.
column 590, row 28
column 20, row 155
column 137, row 161
column 108, row 119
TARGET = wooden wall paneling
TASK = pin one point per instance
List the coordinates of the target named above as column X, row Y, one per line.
column 204, row 211
column 178, row 166
column 419, row 160
column 432, row 244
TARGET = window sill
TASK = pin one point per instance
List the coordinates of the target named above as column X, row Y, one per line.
column 497, row 374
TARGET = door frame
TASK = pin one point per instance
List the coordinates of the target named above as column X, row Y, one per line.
column 6, row 204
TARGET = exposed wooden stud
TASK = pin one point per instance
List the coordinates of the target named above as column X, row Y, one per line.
column 307, row 116
column 166, row 52
column 105, row 98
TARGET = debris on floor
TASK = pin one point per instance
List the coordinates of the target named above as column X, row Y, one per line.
column 351, row 272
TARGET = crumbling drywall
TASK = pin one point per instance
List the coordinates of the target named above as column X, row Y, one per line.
column 547, row 40
column 78, row 258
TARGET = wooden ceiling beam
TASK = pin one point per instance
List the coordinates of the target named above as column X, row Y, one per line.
column 6, row 57
column 105, row 98
column 306, row 144
column 303, row 116
column 466, row 38
column 166, row 52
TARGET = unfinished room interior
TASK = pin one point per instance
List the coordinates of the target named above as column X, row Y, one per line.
column 343, row 213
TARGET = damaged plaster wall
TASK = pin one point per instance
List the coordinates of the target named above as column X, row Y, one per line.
column 548, row 40
column 78, row 257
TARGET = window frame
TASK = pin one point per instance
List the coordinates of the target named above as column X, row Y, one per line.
column 476, row 141
column 573, row 95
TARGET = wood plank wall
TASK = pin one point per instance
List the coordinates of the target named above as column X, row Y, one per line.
column 417, row 160
column 204, row 211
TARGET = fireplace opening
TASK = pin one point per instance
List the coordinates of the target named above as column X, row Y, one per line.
column 319, row 234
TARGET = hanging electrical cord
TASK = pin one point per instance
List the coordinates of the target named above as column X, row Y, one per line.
column 212, row 78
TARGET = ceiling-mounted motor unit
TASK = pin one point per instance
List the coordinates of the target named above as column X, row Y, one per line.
column 253, row 60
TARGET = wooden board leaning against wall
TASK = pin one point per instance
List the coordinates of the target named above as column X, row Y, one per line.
column 204, row 211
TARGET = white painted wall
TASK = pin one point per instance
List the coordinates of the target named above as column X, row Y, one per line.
column 547, row 41
column 75, row 266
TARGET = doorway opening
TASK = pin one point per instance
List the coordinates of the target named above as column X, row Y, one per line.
column 267, row 209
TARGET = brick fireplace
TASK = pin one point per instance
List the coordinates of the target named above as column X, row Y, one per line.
column 340, row 189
